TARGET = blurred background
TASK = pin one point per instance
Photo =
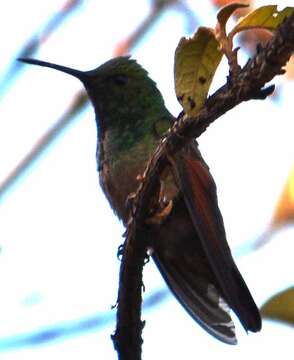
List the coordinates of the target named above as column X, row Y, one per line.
column 58, row 236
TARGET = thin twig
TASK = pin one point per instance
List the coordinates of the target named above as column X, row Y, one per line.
column 38, row 39
column 248, row 84
column 44, row 141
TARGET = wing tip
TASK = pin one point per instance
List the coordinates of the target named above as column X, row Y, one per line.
column 221, row 329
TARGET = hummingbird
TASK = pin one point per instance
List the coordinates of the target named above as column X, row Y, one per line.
column 189, row 244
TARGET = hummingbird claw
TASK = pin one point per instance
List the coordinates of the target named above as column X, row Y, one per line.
column 114, row 306
column 146, row 259
column 130, row 202
column 162, row 209
column 140, row 177
column 120, row 251
column 161, row 215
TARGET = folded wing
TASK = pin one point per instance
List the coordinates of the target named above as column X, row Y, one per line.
column 194, row 258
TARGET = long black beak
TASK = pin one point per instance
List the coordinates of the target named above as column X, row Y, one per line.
column 81, row 75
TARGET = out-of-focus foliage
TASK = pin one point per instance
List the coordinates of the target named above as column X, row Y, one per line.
column 78, row 102
column 40, row 37
column 159, row 4
column 280, row 307
column 158, row 7
column 284, row 211
column 290, row 68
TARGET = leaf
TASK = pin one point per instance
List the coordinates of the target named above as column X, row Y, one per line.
column 280, row 307
column 226, row 44
column 196, row 61
column 284, row 211
column 225, row 13
column 265, row 17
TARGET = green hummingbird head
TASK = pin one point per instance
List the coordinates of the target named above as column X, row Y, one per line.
column 127, row 103
column 120, row 90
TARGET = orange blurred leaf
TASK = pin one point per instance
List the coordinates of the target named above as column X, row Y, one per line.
column 122, row 48
column 280, row 307
column 290, row 68
column 284, row 211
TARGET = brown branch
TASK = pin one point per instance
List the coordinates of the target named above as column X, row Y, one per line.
column 248, row 84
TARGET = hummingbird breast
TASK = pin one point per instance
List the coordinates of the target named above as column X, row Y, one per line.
column 120, row 171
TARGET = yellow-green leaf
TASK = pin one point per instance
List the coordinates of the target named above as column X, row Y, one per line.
column 265, row 17
column 196, row 60
column 280, row 307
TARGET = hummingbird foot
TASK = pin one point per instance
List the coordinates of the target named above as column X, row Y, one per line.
column 163, row 207
column 120, row 251
column 159, row 217
column 130, row 203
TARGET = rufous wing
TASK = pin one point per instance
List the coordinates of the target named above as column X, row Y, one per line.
column 199, row 193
